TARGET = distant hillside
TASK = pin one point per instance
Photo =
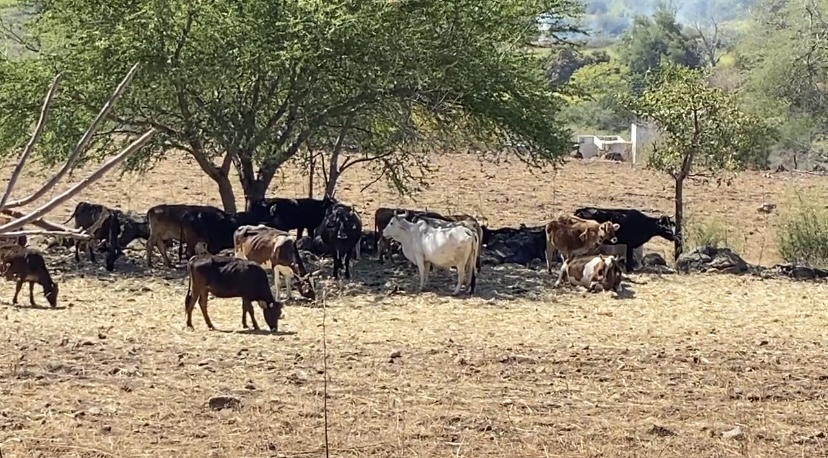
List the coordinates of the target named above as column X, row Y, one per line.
column 611, row 18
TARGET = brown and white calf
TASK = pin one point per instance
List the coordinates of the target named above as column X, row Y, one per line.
column 593, row 272
column 274, row 248
column 574, row 236
column 22, row 264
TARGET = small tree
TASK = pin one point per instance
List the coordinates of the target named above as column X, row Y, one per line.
column 703, row 130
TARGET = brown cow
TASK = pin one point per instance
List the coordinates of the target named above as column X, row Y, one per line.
column 574, row 236
column 271, row 247
column 167, row 223
column 592, row 272
column 22, row 264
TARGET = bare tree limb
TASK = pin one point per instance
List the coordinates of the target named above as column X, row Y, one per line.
column 64, row 234
column 111, row 163
column 27, row 150
column 82, row 144
column 40, row 222
column 351, row 162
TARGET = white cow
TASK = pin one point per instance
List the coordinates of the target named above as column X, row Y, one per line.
column 446, row 246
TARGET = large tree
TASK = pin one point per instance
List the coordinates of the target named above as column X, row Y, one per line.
column 246, row 84
column 704, row 132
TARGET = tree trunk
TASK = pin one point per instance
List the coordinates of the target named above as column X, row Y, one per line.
column 311, row 171
column 678, row 244
column 228, row 197
column 255, row 185
column 333, row 174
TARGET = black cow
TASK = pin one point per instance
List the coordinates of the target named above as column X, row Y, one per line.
column 636, row 227
column 133, row 225
column 216, row 228
column 227, row 277
column 341, row 230
column 106, row 229
column 286, row 214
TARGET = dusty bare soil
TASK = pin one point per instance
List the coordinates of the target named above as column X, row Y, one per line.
column 700, row 365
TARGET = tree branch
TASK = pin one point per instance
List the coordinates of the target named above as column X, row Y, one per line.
column 38, row 132
column 82, row 144
column 40, row 222
column 347, row 164
column 47, row 207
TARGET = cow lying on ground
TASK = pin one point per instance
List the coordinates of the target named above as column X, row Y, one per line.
column 287, row 214
column 452, row 245
column 132, row 226
column 636, row 227
column 276, row 249
column 341, row 229
column 573, row 236
column 381, row 218
column 592, row 272
column 27, row 265
column 227, row 277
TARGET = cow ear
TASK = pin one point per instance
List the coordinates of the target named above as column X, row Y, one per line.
column 616, row 226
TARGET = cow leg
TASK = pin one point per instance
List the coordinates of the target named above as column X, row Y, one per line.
column 247, row 308
column 550, row 253
column 380, row 247
column 202, row 303
column 90, row 248
column 629, row 261
column 288, row 281
column 162, row 247
column 337, row 264
column 17, row 288
column 421, row 266
column 31, row 294
column 461, row 275
column 562, row 275
column 348, row 264
column 189, row 305
column 77, row 251
column 277, row 281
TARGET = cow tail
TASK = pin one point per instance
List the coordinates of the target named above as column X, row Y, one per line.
column 74, row 211
column 189, row 297
column 299, row 264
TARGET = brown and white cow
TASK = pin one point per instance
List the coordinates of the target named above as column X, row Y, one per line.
column 574, row 236
column 271, row 247
column 593, row 272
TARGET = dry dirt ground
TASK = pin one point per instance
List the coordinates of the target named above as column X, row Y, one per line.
column 700, row 365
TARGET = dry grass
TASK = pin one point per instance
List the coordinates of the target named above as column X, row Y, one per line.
column 519, row 371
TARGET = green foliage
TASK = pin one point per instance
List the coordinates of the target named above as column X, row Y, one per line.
column 247, row 84
column 802, row 233
column 703, row 129
column 567, row 61
column 596, row 106
column 649, row 41
column 712, row 232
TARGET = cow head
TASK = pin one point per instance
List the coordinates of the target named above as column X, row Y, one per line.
column 342, row 222
column 606, row 232
column 272, row 313
column 307, row 284
column 667, row 225
column 395, row 228
column 51, row 293
column 611, row 280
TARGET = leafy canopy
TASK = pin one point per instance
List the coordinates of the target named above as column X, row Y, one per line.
column 703, row 129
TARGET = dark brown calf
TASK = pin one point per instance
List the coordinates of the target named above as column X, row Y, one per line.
column 227, row 277
column 27, row 265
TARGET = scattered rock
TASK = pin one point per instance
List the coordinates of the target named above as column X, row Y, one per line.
column 298, row 376
column 206, row 362
column 396, row 354
column 734, row 433
column 661, row 431
column 461, row 360
column 520, row 359
column 106, row 429
column 708, row 258
column 613, row 156
column 766, row 207
column 653, row 260
column 224, row 402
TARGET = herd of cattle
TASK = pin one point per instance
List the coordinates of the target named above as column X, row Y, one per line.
column 227, row 253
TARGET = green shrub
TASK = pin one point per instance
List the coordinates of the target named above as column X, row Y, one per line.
column 706, row 233
column 802, row 234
